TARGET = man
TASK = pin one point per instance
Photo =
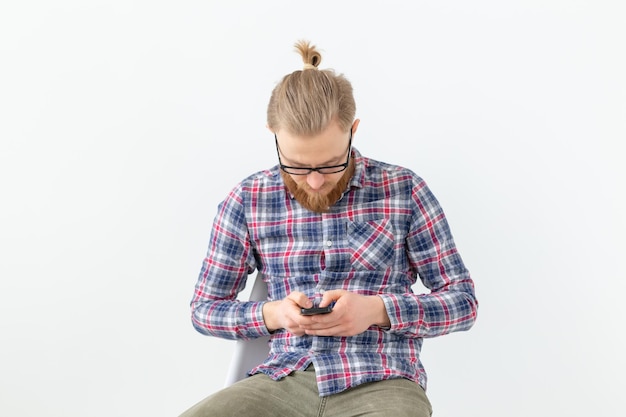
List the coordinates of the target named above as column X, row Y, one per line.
column 329, row 227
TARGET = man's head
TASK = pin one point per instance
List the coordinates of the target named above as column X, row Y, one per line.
column 311, row 113
column 307, row 100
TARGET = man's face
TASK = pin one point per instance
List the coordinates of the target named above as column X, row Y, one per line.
column 316, row 191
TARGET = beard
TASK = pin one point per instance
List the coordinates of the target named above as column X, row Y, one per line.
column 318, row 201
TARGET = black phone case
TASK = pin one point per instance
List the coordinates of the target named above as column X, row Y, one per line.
column 316, row 310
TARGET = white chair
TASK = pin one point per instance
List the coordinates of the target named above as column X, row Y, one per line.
column 249, row 353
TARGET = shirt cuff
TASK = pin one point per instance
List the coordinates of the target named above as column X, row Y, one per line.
column 402, row 313
column 253, row 325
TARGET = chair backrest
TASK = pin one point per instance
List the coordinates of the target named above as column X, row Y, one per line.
column 249, row 353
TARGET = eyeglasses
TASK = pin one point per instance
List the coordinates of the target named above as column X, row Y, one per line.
column 330, row 169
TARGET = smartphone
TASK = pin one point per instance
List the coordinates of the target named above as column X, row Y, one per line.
column 317, row 310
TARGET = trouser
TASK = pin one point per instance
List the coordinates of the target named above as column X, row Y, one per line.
column 296, row 396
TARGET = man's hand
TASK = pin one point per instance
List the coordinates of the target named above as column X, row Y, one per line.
column 352, row 314
column 285, row 314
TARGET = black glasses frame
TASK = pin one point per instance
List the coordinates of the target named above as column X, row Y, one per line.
column 330, row 169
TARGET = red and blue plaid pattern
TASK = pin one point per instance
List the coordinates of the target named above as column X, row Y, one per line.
column 387, row 231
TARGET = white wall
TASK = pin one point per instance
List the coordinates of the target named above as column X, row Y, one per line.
column 124, row 123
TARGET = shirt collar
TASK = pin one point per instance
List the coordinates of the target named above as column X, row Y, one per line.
column 358, row 178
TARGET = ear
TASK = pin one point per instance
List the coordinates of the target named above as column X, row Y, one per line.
column 355, row 126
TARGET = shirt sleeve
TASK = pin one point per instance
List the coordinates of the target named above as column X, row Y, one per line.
column 451, row 304
column 215, row 311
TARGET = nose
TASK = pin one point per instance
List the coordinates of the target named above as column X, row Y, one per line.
column 315, row 180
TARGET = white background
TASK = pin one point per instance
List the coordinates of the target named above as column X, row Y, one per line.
column 124, row 123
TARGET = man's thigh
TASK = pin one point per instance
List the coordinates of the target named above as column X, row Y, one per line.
column 392, row 397
column 259, row 396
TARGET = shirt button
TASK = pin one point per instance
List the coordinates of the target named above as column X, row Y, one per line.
column 328, row 243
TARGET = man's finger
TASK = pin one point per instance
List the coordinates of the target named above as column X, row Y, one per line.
column 300, row 299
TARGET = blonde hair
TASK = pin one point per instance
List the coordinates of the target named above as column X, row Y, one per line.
column 306, row 101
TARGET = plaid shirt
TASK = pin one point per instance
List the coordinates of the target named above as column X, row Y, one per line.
column 386, row 231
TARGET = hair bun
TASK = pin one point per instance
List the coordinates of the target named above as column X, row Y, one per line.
column 310, row 55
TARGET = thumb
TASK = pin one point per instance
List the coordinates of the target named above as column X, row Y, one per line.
column 300, row 299
column 331, row 296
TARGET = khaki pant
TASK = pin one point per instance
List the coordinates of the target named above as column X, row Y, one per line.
column 296, row 396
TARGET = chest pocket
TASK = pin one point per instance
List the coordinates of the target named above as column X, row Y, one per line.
column 371, row 244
